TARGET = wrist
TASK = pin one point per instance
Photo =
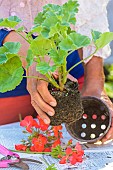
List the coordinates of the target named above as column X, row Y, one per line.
column 94, row 70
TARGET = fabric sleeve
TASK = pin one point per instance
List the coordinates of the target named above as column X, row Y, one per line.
column 93, row 16
column 3, row 34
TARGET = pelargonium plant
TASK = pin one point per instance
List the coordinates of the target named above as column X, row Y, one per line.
column 42, row 138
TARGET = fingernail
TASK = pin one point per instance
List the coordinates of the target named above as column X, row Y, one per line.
column 53, row 104
column 50, row 113
column 46, row 121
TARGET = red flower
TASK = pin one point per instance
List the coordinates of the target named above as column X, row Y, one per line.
column 32, row 148
column 40, row 140
column 39, row 148
column 78, row 147
column 47, row 149
column 20, row 147
column 55, row 143
column 39, row 143
column 29, row 123
column 63, row 160
column 69, row 151
column 72, row 160
column 42, row 125
column 56, row 130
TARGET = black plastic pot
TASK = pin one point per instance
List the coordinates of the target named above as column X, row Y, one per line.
column 95, row 121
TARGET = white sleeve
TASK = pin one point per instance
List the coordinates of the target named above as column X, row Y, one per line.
column 93, row 15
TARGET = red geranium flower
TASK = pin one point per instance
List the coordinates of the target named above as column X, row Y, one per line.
column 55, row 143
column 69, row 151
column 29, row 122
column 42, row 125
column 63, row 160
column 20, row 147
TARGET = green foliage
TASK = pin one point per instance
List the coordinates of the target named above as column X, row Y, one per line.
column 9, row 50
column 10, row 74
column 57, row 151
column 74, row 41
column 45, row 68
column 101, row 40
column 109, row 80
column 55, row 41
column 11, row 22
column 51, row 167
column 12, row 47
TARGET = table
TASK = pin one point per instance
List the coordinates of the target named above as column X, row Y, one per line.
column 96, row 157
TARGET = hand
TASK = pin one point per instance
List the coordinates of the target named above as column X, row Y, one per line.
column 41, row 99
column 101, row 94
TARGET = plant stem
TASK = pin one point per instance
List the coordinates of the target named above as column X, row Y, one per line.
column 29, row 152
column 81, row 61
column 36, row 78
column 42, row 159
column 52, row 81
column 22, row 36
column 60, row 72
column 65, row 71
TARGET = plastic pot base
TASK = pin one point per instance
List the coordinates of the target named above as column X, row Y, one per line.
column 95, row 121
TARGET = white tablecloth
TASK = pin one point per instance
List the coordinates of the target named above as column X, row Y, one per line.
column 96, row 157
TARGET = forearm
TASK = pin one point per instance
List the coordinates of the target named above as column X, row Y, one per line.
column 15, row 37
column 93, row 77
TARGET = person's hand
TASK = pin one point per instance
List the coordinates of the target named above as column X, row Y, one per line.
column 101, row 94
column 41, row 99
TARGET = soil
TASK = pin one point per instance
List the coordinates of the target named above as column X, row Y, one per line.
column 69, row 105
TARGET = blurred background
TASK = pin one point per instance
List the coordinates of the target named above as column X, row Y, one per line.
column 108, row 64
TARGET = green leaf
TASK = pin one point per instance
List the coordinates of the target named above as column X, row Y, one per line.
column 12, row 47
column 10, row 74
column 51, row 167
column 67, row 45
column 41, row 46
column 21, row 29
column 58, row 29
column 74, row 41
column 95, row 35
column 14, row 18
column 29, row 58
column 39, row 19
column 45, row 32
column 3, row 58
column 10, row 22
column 69, row 9
column 104, row 39
column 45, row 68
column 3, row 50
column 109, row 88
column 5, row 55
column 79, row 40
column 37, row 28
column 71, row 6
column 57, row 151
column 55, row 9
column 58, row 56
column 50, row 21
column 10, row 55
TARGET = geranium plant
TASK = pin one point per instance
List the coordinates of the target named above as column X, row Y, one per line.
column 55, row 41
column 45, row 139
